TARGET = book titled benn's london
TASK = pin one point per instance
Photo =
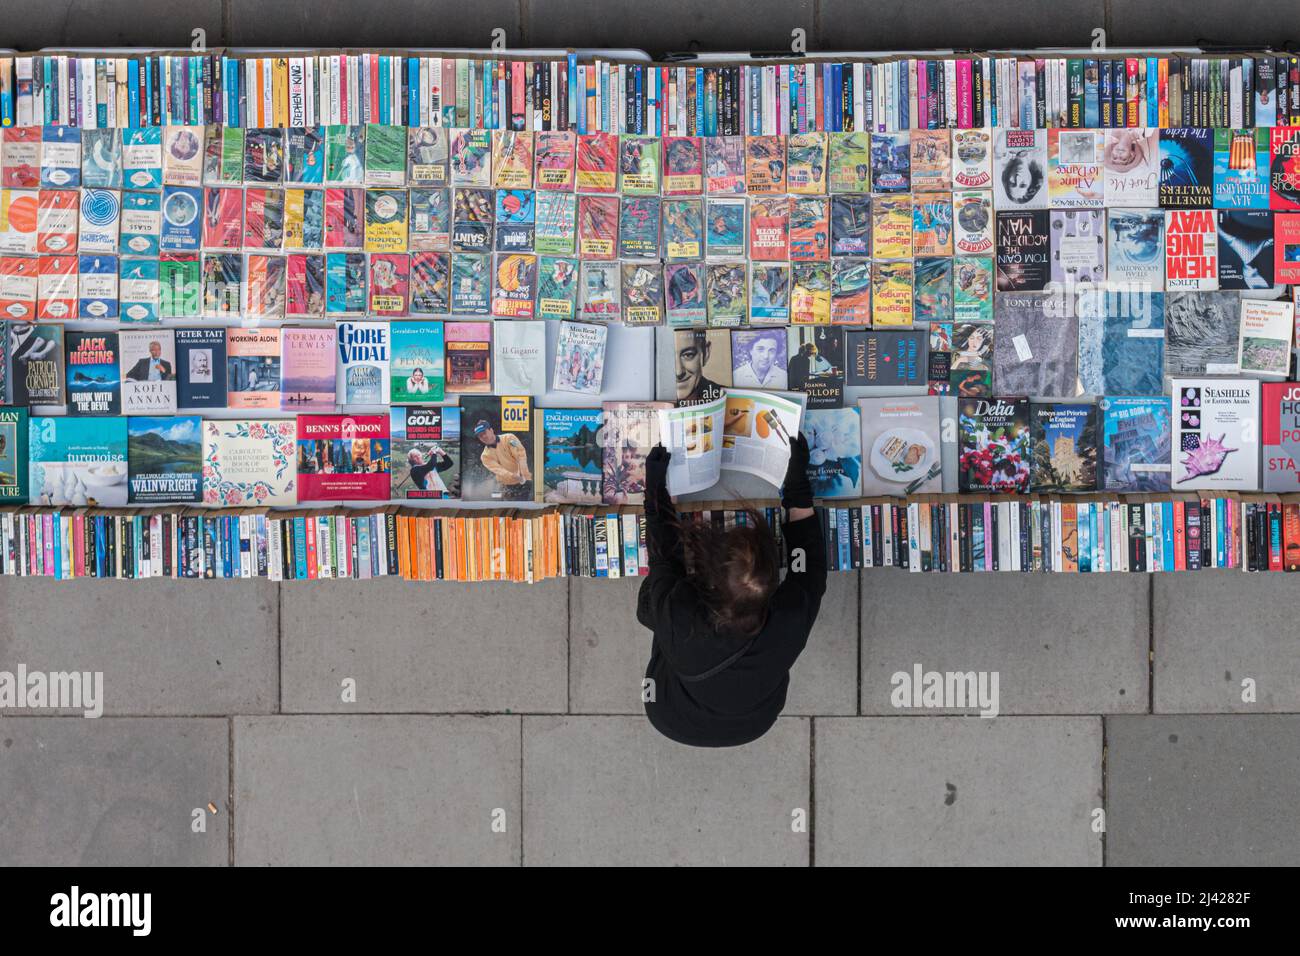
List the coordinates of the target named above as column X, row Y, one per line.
column 343, row 457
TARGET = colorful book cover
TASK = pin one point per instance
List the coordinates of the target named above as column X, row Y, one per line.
column 639, row 165
column 597, row 163
column 994, row 448
column 724, row 165
column 515, row 220
column 1135, row 443
column 385, row 155
column 496, row 448
column 1267, row 333
column 471, row 283
column 389, row 284
column 580, row 358
column 557, row 287
column 1284, row 168
column 725, row 233
column 345, row 155
column 429, row 229
column 891, row 162
column 305, row 155
column 758, row 358
column 363, row 363
column 851, row 225
column 425, row 452
column 806, row 163
column 1078, row 246
column 850, row 292
column 343, row 458
column 1035, row 345
column 900, row 446
column 94, row 379
column 638, row 227
column 892, row 294
column 1121, row 341
column 385, row 228
column 1075, row 175
column 1216, row 434
column 416, row 366
column 346, row 285
column 557, row 224
column 554, row 157
column 725, row 288
column 834, row 451
column 972, row 219
column 253, row 368
column 345, row 218
column 61, row 156
column 1131, row 161
column 101, row 156
column 932, row 224
column 931, row 160
column 1186, row 168
column 972, row 286
column 1281, row 436
column 223, row 217
column 1020, row 170
column 810, row 229
column 893, row 358
column 571, row 454
column 683, row 229
column 769, row 228
column 180, row 286
column 1191, row 250
column 36, row 364
column 631, row 430
column 939, row 360
column 77, row 461
column 1286, row 248
column 469, row 356
column 304, row 219
column 306, row 369
column 249, row 463
column 643, row 293
column 263, row 156
column 304, row 286
column 514, row 286
column 13, row 455
column 182, row 218
column 1064, row 439
column 1024, row 251
column 972, row 159
column 19, row 214
column 100, row 221
column 141, row 224
column 850, row 162
column 932, row 290
column 200, row 368
column 891, row 227
column 56, row 220
column 810, row 292
column 683, row 166
column 684, row 284
column 765, row 165
column 598, row 227
column 266, row 286
column 1241, row 164
column 148, row 364
column 1245, row 248
column 1135, row 247
column 164, row 460
column 701, row 365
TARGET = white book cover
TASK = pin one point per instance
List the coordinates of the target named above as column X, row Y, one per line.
column 363, row 366
column 579, row 358
column 1264, row 342
column 1216, row 434
column 519, row 355
column 148, row 366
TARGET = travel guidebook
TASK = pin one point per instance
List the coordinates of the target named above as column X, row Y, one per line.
column 571, row 455
column 306, row 369
column 343, row 457
column 164, row 459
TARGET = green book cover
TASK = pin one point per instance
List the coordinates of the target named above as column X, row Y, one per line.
column 385, row 155
column 13, row 455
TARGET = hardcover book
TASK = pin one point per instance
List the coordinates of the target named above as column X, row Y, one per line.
column 994, row 445
column 306, row 369
column 249, row 463
column 901, row 448
column 1064, row 439
column 834, row 451
column 164, row 460
column 1281, row 436
column 1023, row 250
column 519, row 357
column 200, row 368
column 1216, row 434
column 1035, row 345
column 253, row 368
column 571, row 455
column 580, row 358
column 425, row 452
column 94, row 379
column 77, row 461
column 416, row 366
column 1121, row 341
column 1186, row 168
column 13, row 455
column 496, row 448
column 1245, row 248
column 1191, row 250
column 1202, row 331
column 343, row 458
column 363, row 363
column 1135, row 444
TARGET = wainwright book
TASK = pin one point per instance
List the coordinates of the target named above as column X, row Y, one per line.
column 249, row 462
column 148, row 363
column 426, row 452
column 363, row 363
column 200, row 368
column 1281, row 436
column 994, row 445
column 343, row 457
column 77, row 461
column 1135, row 443
column 901, row 448
column 569, row 449
column 164, row 460
column 1216, row 434
column 94, row 379
column 253, row 368
column 1064, row 440
column 306, row 369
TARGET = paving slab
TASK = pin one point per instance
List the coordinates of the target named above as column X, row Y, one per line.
column 1223, row 637
column 402, row 24
column 117, row 791
column 663, row 25
column 957, row 791
column 609, row 649
column 611, row 791
column 187, row 648
column 960, row 24
column 1203, row 790
column 377, row 790
column 1060, row 644
column 146, row 23
column 424, row 647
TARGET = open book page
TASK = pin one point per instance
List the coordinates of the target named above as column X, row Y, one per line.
column 757, row 432
column 694, row 436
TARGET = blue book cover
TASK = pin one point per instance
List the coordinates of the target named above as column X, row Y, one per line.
column 1121, row 341
column 77, row 461
column 1091, row 95
column 181, row 219
column 1167, row 523
column 1136, row 443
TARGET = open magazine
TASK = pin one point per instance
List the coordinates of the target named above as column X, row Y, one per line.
column 743, row 430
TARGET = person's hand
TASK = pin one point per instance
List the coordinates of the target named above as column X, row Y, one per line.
column 797, row 490
column 656, row 478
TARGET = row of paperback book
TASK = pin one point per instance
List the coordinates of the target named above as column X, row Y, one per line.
column 560, row 93
column 1185, row 533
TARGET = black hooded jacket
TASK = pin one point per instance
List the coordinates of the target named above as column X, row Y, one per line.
column 710, row 689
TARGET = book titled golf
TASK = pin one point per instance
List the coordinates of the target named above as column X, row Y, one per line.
column 1267, row 330
column 343, row 457
column 496, row 448
column 426, row 452
column 580, row 358
column 77, row 461
column 363, row 363
column 417, row 362
column 1216, row 434
column 164, row 459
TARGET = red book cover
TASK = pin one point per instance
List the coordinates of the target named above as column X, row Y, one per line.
column 1180, row 538
column 223, row 217
column 1291, row 535
column 1286, row 248
column 343, row 457
column 310, row 525
column 1284, row 168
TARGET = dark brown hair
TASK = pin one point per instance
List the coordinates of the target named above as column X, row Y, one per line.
column 735, row 571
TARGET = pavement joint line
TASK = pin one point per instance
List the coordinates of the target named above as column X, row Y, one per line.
column 230, row 795
column 910, row 714
column 812, row 792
